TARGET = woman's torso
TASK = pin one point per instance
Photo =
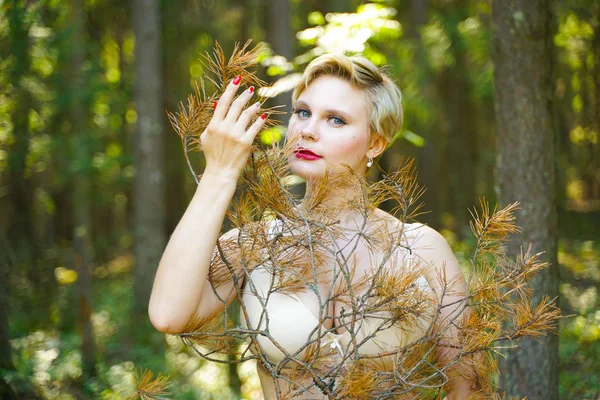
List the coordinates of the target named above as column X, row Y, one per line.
column 321, row 314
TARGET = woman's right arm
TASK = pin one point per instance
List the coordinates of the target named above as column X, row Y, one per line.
column 181, row 291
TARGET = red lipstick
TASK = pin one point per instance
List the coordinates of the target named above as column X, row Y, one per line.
column 306, row 154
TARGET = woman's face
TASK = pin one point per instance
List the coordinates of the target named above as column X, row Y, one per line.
column 330, row 127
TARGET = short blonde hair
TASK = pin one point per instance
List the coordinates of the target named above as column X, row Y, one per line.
column 383, row 98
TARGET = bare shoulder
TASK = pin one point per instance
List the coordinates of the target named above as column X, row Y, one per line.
column 245, row 233
column 425, row 240
column 431, row 249
column 421, row 236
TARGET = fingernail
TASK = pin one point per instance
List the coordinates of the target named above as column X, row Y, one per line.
column 264, row 116
column 251, row 89
column 215, row 105
column 237, row 80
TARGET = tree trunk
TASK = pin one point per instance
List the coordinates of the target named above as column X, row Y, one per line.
column 427, row 162
column 526, row 171
column 6, row 364
column 81, row 193
column 17, row 216
column 279, row 33
column 176, row 85
column 149, row 183
column 279, row 36
column 457, row 139
column 340, row 6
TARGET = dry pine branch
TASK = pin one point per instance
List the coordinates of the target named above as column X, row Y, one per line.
column 305, row 250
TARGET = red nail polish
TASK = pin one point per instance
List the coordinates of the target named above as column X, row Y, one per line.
column 237, row 80
column 264, row 116
column 251, row 89
column 215, row 105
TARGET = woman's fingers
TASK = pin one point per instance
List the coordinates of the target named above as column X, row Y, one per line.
column 231, row 117
column 255, row 128
column 237, row 107
column 226, row 99
column 244, row 119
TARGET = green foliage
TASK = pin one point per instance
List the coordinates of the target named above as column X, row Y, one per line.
column 36, row 102
column 579, row 351
column 437, row 44
column 51, row 359
column 575, row 36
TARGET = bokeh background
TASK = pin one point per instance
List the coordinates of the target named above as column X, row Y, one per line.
column 82, row 119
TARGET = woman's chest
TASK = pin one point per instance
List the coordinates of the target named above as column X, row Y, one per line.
column 346, row 302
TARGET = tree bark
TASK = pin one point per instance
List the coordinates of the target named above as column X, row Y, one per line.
column 14, row 224
column 6, row 364
column 149, row 182
column 81, row 193
column 279, row 35
column 526, row 171
column 17, row 216
column 457, row 141
column 427, row 162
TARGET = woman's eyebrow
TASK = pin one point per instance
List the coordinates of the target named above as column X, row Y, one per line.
column 300, row 103
column 339, row 112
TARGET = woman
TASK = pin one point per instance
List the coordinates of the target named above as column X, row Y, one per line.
column 345, row 112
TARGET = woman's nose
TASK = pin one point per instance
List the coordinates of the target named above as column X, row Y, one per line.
column 309, row 130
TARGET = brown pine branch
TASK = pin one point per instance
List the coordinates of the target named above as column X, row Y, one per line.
column 492, row 229
column 210, row 333
column 191, row 119
column 148, row 387
column 306, row 250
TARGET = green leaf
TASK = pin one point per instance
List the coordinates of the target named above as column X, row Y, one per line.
column 411, row 137
column 270, row 136
column 316, row 18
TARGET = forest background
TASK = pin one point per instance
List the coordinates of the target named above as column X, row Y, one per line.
column 93, row 178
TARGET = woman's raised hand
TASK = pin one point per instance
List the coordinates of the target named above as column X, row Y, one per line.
column 227, row 140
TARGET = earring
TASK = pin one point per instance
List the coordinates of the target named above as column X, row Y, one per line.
column 370, row 163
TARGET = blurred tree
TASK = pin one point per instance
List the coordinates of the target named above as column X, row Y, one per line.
column 526, row 172
column 279, row 35
column 14, row 223
column 457, row 140
column 426, row 156
column 149, row 182
column 17, row 218
column 6, row 363
column 41, row 158
column 577, row 89
column 81, row 194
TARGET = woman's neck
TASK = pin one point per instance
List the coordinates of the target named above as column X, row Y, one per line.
column 343, row 203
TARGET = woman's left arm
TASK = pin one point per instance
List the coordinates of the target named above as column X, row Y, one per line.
column 445, row 276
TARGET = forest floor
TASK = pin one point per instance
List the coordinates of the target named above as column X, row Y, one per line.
column 50, row 361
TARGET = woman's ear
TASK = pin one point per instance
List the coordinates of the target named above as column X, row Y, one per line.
column 377, row 146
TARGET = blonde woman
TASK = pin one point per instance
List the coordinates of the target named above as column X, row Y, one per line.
column 345, row 112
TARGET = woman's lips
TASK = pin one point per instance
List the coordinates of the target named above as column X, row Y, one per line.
column 305, row 154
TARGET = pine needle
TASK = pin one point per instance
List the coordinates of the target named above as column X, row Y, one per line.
column 192, row 118
column 359, row 382
column 210, row 333
column 310, row 251
column 148, row 387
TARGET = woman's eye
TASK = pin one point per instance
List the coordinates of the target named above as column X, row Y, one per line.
column 337, row 121
column 302, row 113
